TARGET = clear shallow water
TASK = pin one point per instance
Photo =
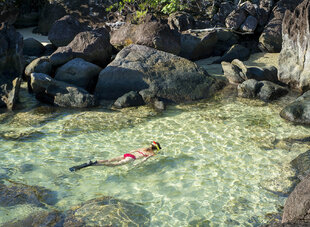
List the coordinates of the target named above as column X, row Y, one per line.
column 219, row 163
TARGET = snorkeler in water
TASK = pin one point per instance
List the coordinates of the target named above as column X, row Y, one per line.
column 142, row 153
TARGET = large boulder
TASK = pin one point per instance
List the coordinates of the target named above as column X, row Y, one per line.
column 60, row 93
column 236, row 18
column 11, row 66
column 299, row 110
column 107, row 211
column 79, row 73
column 235, row 52
column 294, row 66
column 12, row 194
column 152, row 34
column 8, row 12
column 92, row 46
column 198, row 46
column 132, row 98
column 48, row 15
column 64, row 30
column 162, row 74
column 181, row 21
column 39, row 65
column 297, row 206
column 302, row 164
column 271, row 38
column 33, row 47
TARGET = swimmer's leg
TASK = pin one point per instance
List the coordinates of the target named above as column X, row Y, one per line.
column 124, row 161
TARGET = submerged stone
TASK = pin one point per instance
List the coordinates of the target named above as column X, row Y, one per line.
column 12, row 193
column 107, row 211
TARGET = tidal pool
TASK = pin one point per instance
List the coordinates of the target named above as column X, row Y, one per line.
column 219, row 164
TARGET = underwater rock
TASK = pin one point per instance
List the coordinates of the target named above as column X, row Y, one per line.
column 302, row 164
column 107, row 211
column 42, row 218
column 12, row 194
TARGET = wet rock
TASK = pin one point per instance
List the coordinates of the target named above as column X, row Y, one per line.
column 248, row 89
column 164, row 75
column 129, row 99
column 302, row 165
column 79, row 73
column 235, row 52
column 48, row 15
column 271, row 38
column 60, row 93
column 9, row 93
column 270, row 91
column 159, row 105
column 33, row 47
column 299, row 110
column 107, row 211
column 198, row 46
column 92, row 46
column 249, row 25
column 294, row 66
column 233, row 73
column 181, row 21
column 297, row 206
column 39, row 65
column 269, row 73
column 64, row 30
column 43, row 218
column 152, row 34
column 12, row 194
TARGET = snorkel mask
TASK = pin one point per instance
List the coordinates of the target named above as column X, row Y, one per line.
column 157, row 145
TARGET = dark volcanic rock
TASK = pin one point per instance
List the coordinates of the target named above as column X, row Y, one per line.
column 92, row 46
column 107, row 211
column 270, row 91
column 248, row 89
column 152, row 34
column 299, row 110
column 235, row 52
column 297, row 206
column 39, row 65
column 129, row 99
column 33, row 47
column 236, row 18
column 164, row 75
column 181, row 21
column 12, row 194
column 302, row 164
column 79, row 73
column 271, row 38
column 294, row 65
column 64, row 30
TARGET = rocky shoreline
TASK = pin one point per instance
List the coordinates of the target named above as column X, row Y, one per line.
column 95, row 58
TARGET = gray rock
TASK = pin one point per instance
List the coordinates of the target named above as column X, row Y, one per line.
column 302, row 164
column 152, row 34
column 60, row 93
column 12, row 194
column 159, row 105
column 248, row 89
column 165, row 76
column 233, row 73
column 236, row 18
column 79, row 73
column 92, row 46
column 129, row 99
column 297, row 205
column 269, row 73
column 270, row 91
column 299, row 110
column 235, row 52
column 107, row 211
column 33, row 47
column 64, row 30
column 294, row 66
column 271, row 38
column 264, row 9
column 200, row 46
column 226, row 39
column 9, row 93
column 249, row 25
column 181, row 21
column 39, row 65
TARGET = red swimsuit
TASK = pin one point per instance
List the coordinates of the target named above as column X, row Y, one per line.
column 134, row 157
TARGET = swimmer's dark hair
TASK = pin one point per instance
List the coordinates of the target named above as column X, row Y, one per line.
column 155, row 144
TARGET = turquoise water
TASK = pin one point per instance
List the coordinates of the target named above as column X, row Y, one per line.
column 219, row 161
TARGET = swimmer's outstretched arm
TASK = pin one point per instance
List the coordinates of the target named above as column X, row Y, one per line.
column 143, row 160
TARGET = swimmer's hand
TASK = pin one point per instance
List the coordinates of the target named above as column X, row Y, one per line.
column 75, row 168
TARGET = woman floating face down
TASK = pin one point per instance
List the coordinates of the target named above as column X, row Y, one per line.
column 142, row 153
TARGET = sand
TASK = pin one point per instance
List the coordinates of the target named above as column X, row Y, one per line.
column 27, row 33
